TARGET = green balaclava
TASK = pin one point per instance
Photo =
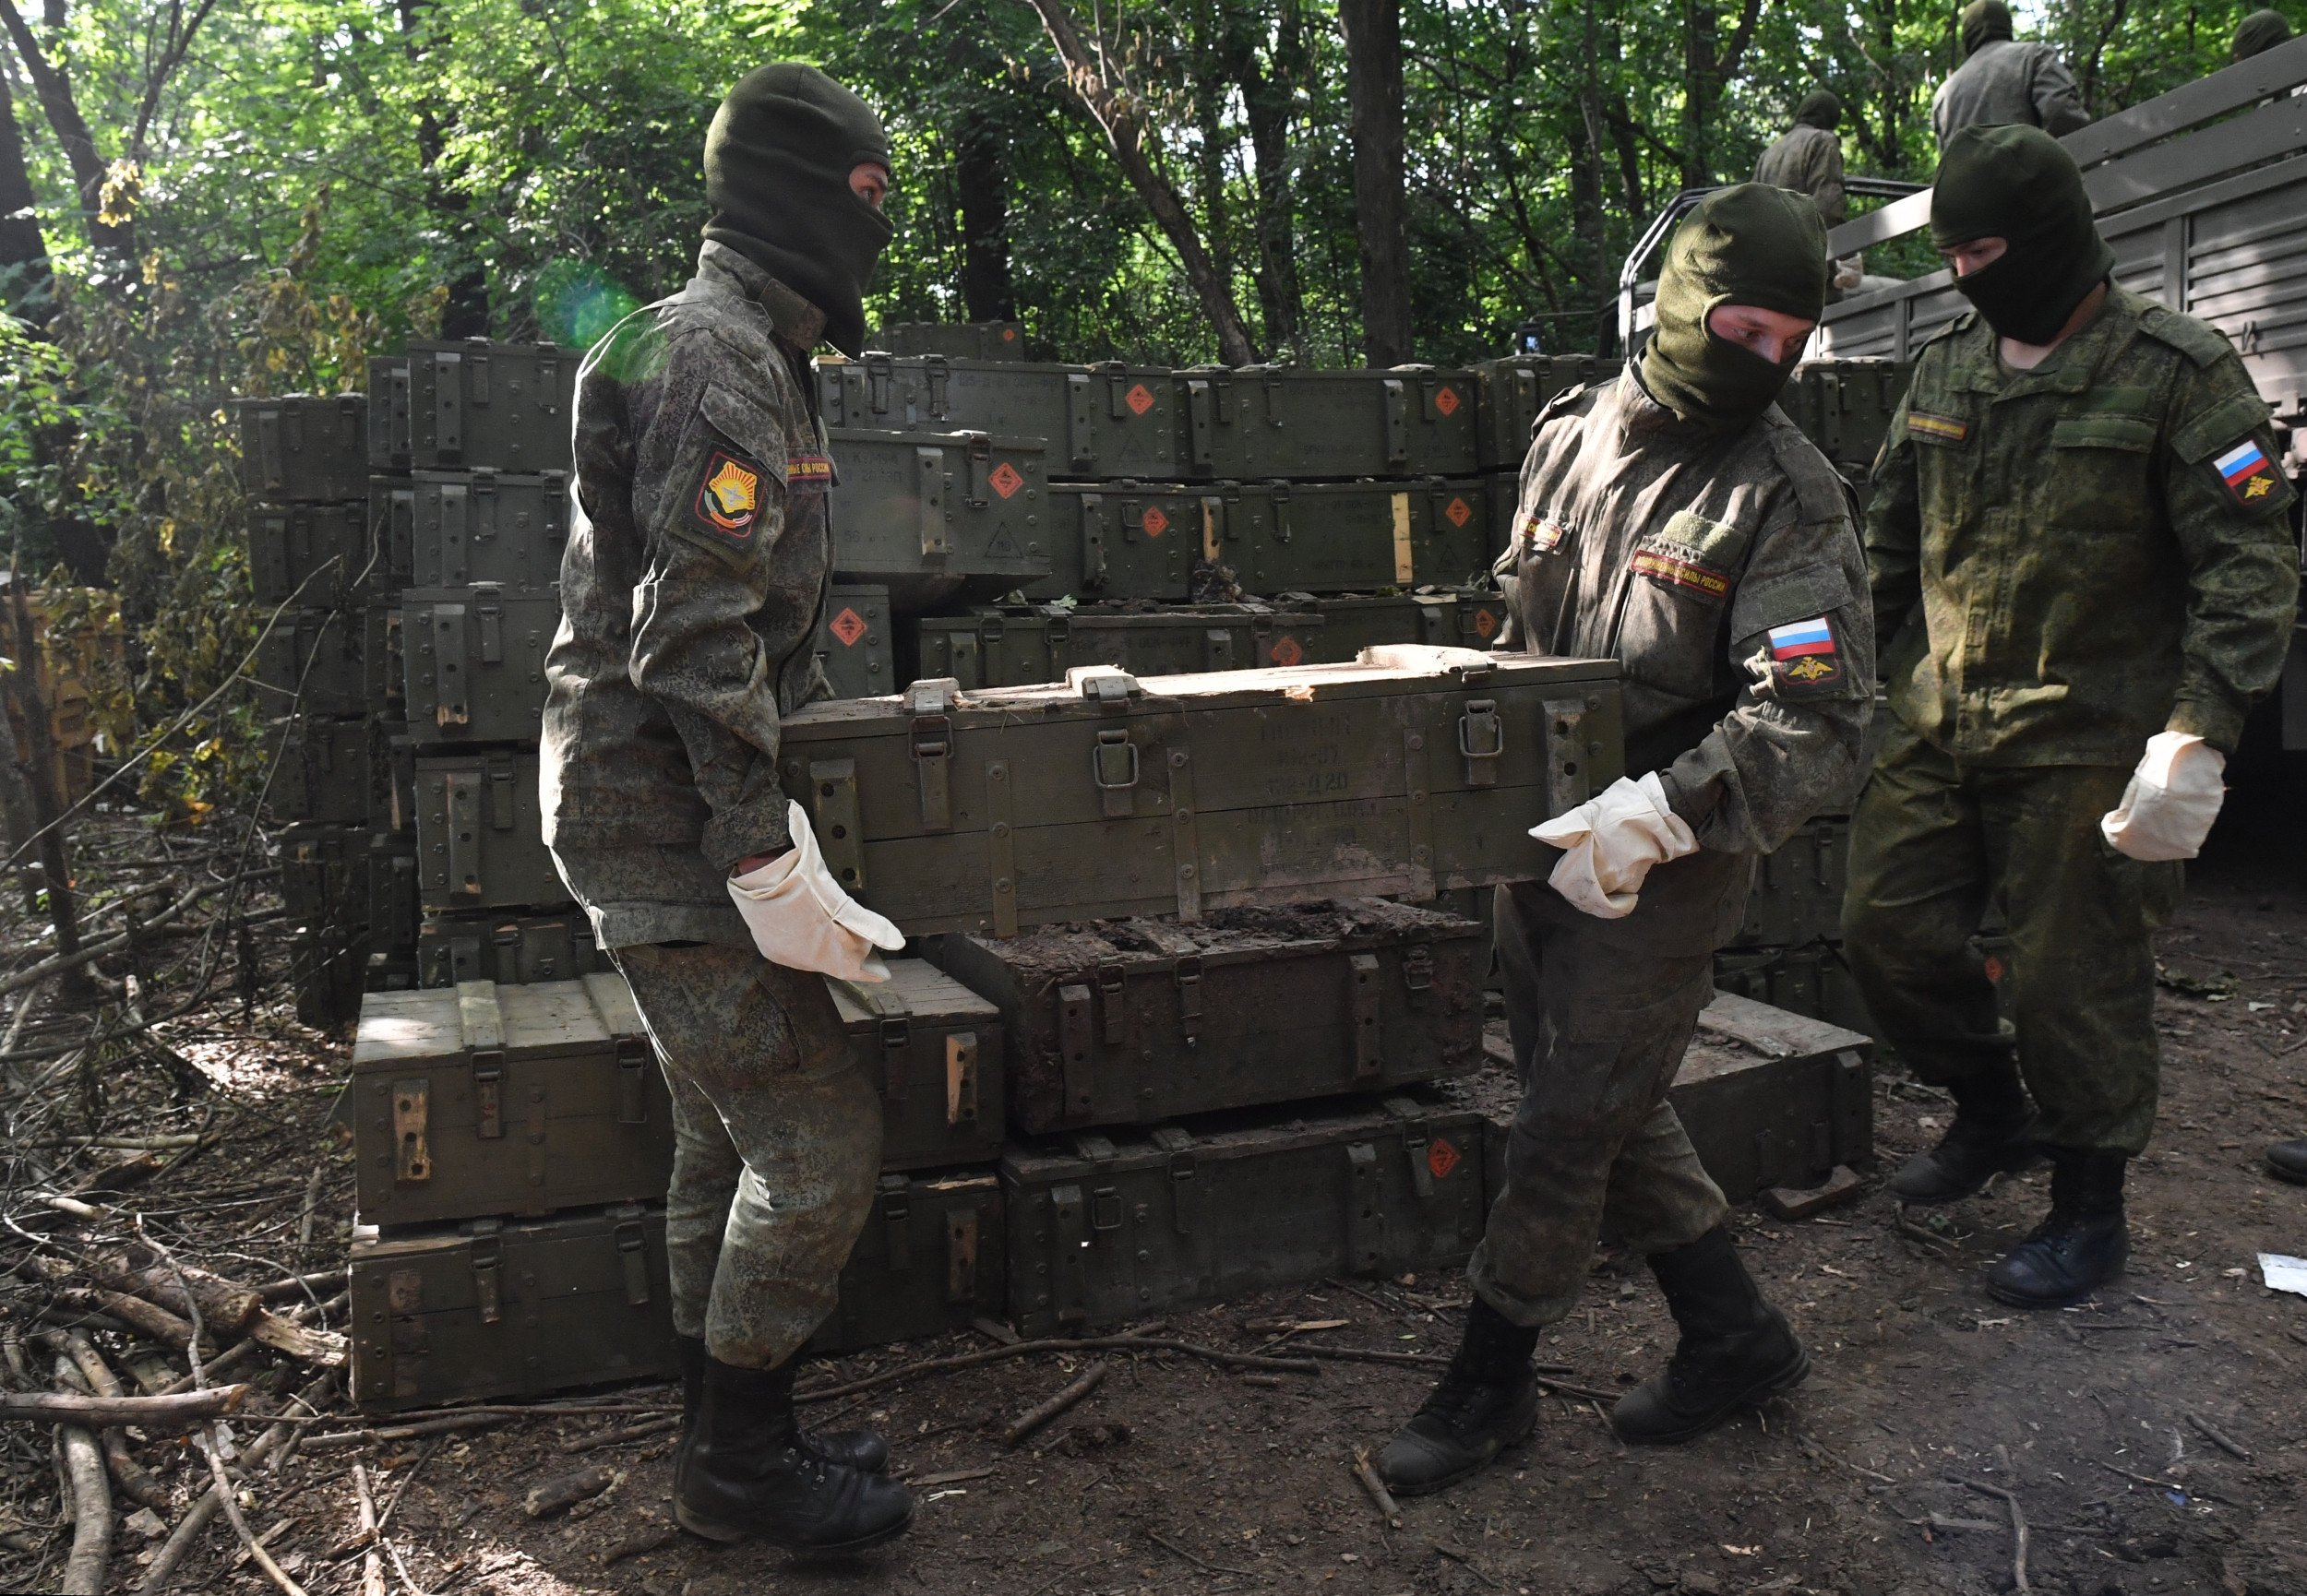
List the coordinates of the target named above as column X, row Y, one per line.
column 2260, row 30
column 2018, row 184
column 1747, row 244
column 1820, row 108
column 1983, row 21
column 777, row 163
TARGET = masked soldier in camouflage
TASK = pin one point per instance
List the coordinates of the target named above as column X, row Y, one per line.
column 2003, row 81
column 1673, row 520
column 692, row 588
column 2079, row 538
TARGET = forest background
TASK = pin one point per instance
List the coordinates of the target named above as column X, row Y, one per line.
column 201, row 199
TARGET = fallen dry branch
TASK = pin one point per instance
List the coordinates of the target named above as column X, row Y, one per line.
column 336, row 1438
column 71, row 1408
column 618, row 1437
column 1034, row 1418
column 1388, row 1508
column 2225, row 1444
column 126, row 1472
column 1029, row 1348
column 372, row 1562
column 82, row 1465
column 2018, row 1528
column 557, row 1495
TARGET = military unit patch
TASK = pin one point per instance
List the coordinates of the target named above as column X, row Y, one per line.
column 1541, row 536
column 1677, row 572
column 1804, row 652
column 727, row 501
column 2249, row 475
column 806, row 471
column 1942, row 429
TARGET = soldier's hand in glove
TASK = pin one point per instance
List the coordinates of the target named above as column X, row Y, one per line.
column 2173, row 796
column 801, row 918
column 1611, row 841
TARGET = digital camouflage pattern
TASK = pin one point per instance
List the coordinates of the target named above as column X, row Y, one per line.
column 692, row 591
column 777, row 1144
column 2005, row 81
column 1932, row 842
column 1678, row 553
column 1808, row 161
column 2100, row 547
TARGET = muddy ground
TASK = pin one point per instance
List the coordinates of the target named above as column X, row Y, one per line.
column 1176, row 1476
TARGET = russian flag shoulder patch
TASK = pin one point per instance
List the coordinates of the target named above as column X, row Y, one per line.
column 1802, row 653
column 2248, row 473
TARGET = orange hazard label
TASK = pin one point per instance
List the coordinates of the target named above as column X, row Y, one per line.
column 848, row 627
column 1156, row 523
column 1005, row 479
column 1447, row 401
column 1138, row 399
column 1459, row 512
column 1285, row 651
column 1441, row 1158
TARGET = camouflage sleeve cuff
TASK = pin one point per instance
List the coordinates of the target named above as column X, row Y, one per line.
column 1692, row 808
column 2220, row 725
column 747, row 830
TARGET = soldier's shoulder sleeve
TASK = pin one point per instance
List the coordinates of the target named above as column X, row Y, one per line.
column 2199, row 341
column 2220, row 432
column 719, row 459
column 1804, row 588
column 1819, row 492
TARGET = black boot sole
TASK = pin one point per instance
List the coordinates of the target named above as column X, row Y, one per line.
column 2295, row 1177
column 1447, row 1481
column 2064, row 1299
column 2019, row 1162
column 728, row 1534
column 1783, row 1380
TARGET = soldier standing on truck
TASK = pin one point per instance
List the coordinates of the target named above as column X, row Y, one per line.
column 2080, row 539
column 1676, row 521
column 696, row 574
column 1808, row 159
column 2260, row 30
column 2003, row 81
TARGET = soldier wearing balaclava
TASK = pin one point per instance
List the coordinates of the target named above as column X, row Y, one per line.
column 2261, row 31
column 1674, row 520
column 2079, row 550
column 692, row 591
column 1807, row 158
column 2003, row 81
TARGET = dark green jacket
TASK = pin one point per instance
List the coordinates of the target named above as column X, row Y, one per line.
column 698, row 559
column 2087, row 574
column 1808, row 161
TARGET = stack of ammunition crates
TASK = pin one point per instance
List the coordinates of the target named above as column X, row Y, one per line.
column 1846, row 408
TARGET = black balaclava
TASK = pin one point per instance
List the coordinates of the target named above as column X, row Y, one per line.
column 2260, row 30
column 777, row 163
column 2018, row 184
column 1983, row 21
column 1820, row 108
column 1747, row 244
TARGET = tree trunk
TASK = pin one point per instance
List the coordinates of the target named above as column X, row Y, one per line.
column 17, row 809
column 55, row 865
column 1134, row 147
column 982, row 188
column 1267, row 102
column 1373, row 94
column 57, row 102
column 27, row 280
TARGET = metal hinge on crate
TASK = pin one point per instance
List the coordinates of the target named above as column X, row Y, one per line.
column 488, row 1256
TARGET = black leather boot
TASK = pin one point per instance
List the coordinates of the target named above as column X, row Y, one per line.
column 858, row 1448
column 2288, row 1160
column 1486, row 1402
column 1737, row 1349
column 748, row 1475
column 1993, row 1134
column 2080, row 1247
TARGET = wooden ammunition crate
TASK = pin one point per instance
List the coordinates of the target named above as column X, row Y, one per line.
column 1299, row 423
column 1017, row 645
column 930, row 1261
column 472, row 662
column 935, row 1049
column 305, row 446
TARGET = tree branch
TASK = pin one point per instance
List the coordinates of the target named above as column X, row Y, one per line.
column 63, row 110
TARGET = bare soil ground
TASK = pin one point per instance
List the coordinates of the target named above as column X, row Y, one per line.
column 1176, row 1476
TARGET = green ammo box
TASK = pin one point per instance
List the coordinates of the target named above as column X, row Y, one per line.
column 1019, row 645
column 1107, row 1229
column 939, row 517
column 1126, row 540
column 481, row 525
column 489, row 1098
column 1513, row 391
column 1108, row 796
column 510, row 1308
column 1296, row 421
column 1101, row 421
column 967, row 339
column 477, row 402
column 305, row 446
column 313, row 660
column 324, row 874
column 933, row 1048
column 472, row 661
column 1797, row 891
column 853, row 642
column 318, row 554
column 512, row 950
column 929, row 1260
column 1352, row 537
column 480, row 838
column 1450, row 617
column 324, row 773
column 389, row 438
column 1128, row 1022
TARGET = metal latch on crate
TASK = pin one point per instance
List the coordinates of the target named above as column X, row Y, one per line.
column 632, row 1241
column 1368, row 1029
column 633, row 1062
column 488, row 1256
column 932, row 747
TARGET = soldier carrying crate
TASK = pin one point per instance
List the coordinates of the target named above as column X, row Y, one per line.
column 698, row 555
column 1676, row 521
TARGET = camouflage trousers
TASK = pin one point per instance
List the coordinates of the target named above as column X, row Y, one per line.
column 1932, row 844
column 1601, row 1012
column 777, row 1144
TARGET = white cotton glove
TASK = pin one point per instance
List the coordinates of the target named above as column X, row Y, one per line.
column 2174, row 797
column 1613, row 841
column 800, row 917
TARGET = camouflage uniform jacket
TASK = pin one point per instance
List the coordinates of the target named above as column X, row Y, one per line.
column 1808, row 161
column 2004, row 82
column 2098, row 545
column 691, row 591
column 1723, row 573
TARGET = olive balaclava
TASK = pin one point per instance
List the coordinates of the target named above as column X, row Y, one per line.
column 1747, row 244
column 2018, row 184
column 777, row 163
column 1820, row 108
column 2260, row 30
column 1984, row 21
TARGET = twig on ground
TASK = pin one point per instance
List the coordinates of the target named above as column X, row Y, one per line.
column 371, row 1561
column 1388, row 1508
column 1034, row 1418
column 402, row 1432
column 71, row 1408
column 2018, row 1528
column 1027, row 1348
column 618, row 1437
column 554, row 1495
column 647, row 1539
column 1464, row 1559
column 126, row 1472
column 2234, row 1448
column 312, row 1207
column 82, row 1465
column 275, row 1442
column 408, row 1478
column 2143, row 1479
column 1167, row 1545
